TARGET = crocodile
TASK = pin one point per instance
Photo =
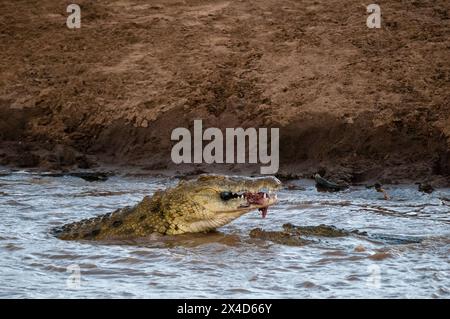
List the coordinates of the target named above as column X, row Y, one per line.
column 192, row 206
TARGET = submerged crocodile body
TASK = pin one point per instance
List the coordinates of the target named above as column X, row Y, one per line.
column 200, row 205
column 292, row 235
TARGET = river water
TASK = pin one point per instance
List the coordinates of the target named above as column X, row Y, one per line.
column 228, row 263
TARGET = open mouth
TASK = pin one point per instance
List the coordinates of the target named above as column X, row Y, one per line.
column 260, row 200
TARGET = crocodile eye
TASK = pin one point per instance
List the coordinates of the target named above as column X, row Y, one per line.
column 226, row 195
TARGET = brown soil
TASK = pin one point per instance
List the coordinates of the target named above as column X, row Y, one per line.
column 355, row 102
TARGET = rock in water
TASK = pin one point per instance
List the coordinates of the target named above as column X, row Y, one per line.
column 91, row 176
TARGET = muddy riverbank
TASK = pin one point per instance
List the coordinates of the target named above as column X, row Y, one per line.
column 361, row 104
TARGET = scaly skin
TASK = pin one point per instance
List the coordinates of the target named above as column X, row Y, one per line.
column 324, row 185
column 292, row 235
column 199, row 205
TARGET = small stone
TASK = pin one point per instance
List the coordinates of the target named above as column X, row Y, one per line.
column 425, row 188
column 380, row 256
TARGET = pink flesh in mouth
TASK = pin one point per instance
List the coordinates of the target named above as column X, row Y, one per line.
column 263, row 211
column 258, row 199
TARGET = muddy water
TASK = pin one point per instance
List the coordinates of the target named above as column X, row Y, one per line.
column 228, row 263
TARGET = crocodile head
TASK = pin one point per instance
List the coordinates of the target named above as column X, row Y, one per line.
column 212, row 201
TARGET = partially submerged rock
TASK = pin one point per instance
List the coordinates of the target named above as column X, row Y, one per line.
column 324, row 185
column 320, row 231
column 425, row 188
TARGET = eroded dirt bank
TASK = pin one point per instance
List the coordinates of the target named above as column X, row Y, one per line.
column 360, row 103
